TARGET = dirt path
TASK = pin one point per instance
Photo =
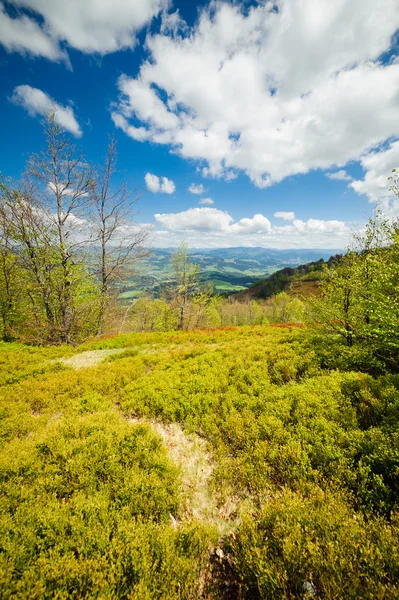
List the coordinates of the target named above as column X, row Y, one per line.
column 189, row 452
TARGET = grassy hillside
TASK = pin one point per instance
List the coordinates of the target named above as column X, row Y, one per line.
column 234, row 463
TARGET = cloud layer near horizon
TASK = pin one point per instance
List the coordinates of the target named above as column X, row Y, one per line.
column 210, row 227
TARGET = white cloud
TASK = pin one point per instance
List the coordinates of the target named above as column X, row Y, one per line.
column 320, row 226
column 211, row 227
column 167, row 186
column 196, row 189
column 276, row 93
column 25, row 36
column 258, row 224
column 196, row 219
column 207, row 201
column 91, row 26
column 37, row 102
column 152, row 182
column 341, row 175
column 378, row 167
column 159, row 185
column 287, row 216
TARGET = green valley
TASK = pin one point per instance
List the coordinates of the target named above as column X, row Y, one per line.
column 228, row 270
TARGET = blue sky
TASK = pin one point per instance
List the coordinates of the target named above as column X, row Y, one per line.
column 283, row 115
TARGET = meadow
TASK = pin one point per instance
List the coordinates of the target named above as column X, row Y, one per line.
column 250, row 463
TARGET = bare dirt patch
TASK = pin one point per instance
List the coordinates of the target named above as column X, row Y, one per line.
column 90, row 358
column 189, row 452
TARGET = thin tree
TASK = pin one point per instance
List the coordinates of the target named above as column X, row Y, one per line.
column 186, row 280
column 9, row 289
column 121, row 242
column 31, row 240
column 60, row 181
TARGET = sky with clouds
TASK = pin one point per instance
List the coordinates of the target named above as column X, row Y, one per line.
column 271, row 123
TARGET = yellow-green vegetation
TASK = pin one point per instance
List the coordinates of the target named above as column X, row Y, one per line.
column 304, row 464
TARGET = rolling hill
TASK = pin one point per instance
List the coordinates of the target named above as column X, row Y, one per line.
column 227, row 269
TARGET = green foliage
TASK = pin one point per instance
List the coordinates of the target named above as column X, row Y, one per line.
column 286, row 309
column 307, row 457
column 85, row 512
column 281, row 280
column 360, row 294
column 316, row 539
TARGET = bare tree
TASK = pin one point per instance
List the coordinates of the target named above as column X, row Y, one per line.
column 121, row 242
column 30, row 240
column 60, row 183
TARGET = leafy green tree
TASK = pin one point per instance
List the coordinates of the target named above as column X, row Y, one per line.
column 382, row 300
column 360, row 293
column 186, row 281
column 338, row 307
column 11, row 279
column 286, row 309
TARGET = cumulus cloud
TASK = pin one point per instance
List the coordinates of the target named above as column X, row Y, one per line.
column 287, row 216
column 377, row 166
column 37, row 102
column 341, row 175
column 91, row 26
column 159, row 185
column 258, row 224
column 321, row 226
column 196, row 219
column 276, row 92
column 207, row 201
column 211, row 227
column 196, row 189
column 25, row 36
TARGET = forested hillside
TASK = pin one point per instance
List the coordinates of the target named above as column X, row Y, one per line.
column 305, row 277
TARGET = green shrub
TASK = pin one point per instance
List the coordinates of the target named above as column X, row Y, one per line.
column 316, row 539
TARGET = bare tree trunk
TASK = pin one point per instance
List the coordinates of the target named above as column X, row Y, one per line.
column 181, row 317
column 114, row 211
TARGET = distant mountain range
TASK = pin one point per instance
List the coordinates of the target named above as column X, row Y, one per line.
column 227, row 269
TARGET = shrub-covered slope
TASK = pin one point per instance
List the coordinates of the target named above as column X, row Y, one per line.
column 303, row 280
column 305, row 470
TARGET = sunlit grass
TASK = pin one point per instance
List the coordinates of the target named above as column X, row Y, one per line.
column 304, row 457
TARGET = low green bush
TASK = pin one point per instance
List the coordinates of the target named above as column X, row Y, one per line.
column 315, row 543
column 86, row 494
